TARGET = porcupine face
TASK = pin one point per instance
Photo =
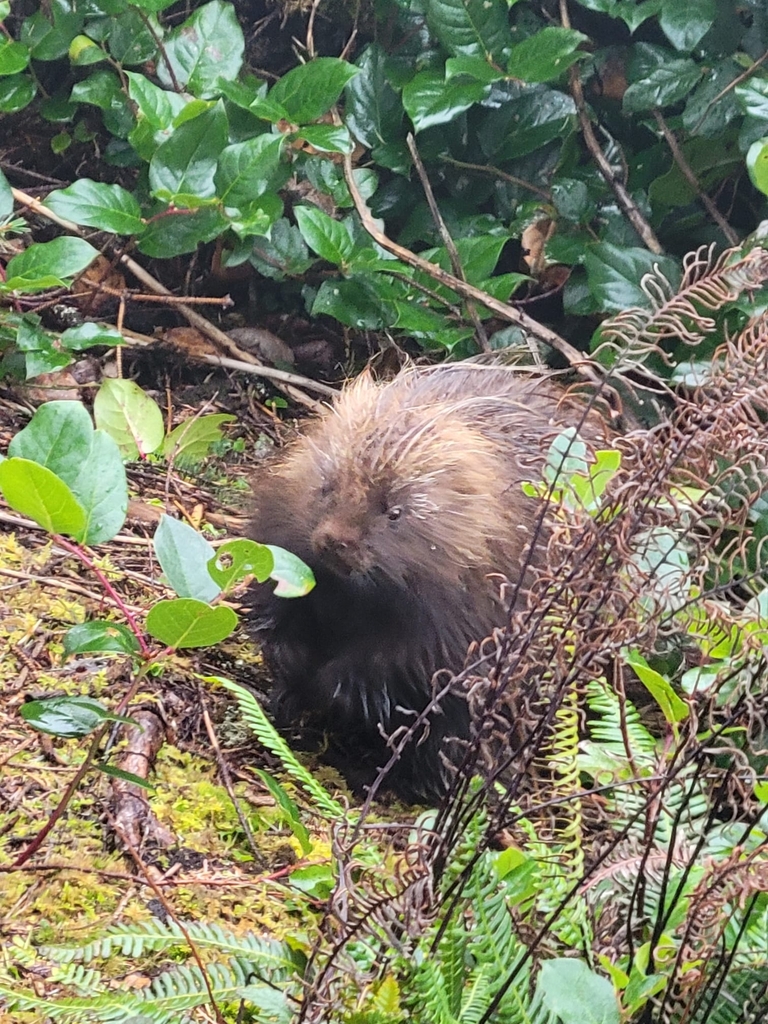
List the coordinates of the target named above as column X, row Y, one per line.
column 412, row 509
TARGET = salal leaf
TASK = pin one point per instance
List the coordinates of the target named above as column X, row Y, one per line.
column 246, row 169
column 329, row 238
column 184, row 554
column 183, row 167
column 475, row 28
column 38, row 493
column 686, row 22
column 307, row 92
column 545, row 55
column 130, row 417
column 57, row 261
column 430, row 100
column 207, row 47
column 98, row 205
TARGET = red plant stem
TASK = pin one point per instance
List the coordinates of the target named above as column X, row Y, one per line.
column 78, row 552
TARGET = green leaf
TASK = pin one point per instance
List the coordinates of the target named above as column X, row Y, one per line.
column 327, row 237
column 246, row 169
column 614, row 274
column 101, row 89
column 373, row 111
column 48, row 33
column 97, row 205
column 67, row 717
column 135, row 780
column 192, row 440
column 132, row 39
column 42, row 356
column 673, row 708
column 354, row 302
column 185, row 165
column 236, row 559
column 83, row 51
column 188, row 623
column 100, row 637
column 58, row 261
column 327, row 138
column 207, row 47
column 6, row 198
column 757, row 165
column 473, row 28
column 16, row 92
column 184, row 554
column 290, row 812
column 472, row 67
column 181, row 231
column 307, row 92
column 60, row 436
column 156, row 106
column 294, row 578
column 662, row 86
column 686, row 22
column 430, row 100
column 130, row 417
column 14, row 57
column 572, row 992
column 632, row 12
column 38, row 493
column 546, row 54
column 283, row 253
column 87, row 335
column 527, row 118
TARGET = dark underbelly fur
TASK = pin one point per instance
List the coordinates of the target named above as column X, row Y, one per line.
column 356, row 663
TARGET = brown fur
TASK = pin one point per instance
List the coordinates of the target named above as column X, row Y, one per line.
column 405, row 500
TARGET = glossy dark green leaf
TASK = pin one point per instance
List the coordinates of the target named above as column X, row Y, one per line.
column 207, row 47
column 98, row 205
column 236, row 559
column 101, row 89
column 6, row 197
column 712, row 105
column 373, row 110
column 185, row 165
column 632, row 12
column 49, row 31
column 181, row 231
column 327, row 138
column 67, row 717
column 131, row 39
column 100, row 637
column 614, row 274
column 664, row 85
column 246, row 169
column 686, row 22
column 546, row 55
column 158, row 107
column 353, row 302
column 14, row 56
column 476, row 28
column 307, row 92
column 283, row 254
column 525, row 119
column 255, row 218
column 329, row 238
column 472, row 67
column 185, row 623
column 429, row 100
column 184, row 554
column 83, row 51
column 16, row 92
column 58, row 260
column 85, row 336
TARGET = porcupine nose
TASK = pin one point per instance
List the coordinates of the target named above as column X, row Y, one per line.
column 337, row 543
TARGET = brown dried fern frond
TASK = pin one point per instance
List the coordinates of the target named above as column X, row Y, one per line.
column 708, row 284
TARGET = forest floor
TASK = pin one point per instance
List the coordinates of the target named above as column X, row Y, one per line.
column 207, row 840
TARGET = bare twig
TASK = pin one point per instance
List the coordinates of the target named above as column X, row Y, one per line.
column 624, row 199
column 687, row 172
column 453, row 252
column 192, row 316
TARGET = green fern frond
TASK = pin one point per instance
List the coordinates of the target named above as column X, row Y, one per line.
column 617, row 717
column 114, row 1008
column 135, row 940
column 477, row 995
column 267, row 735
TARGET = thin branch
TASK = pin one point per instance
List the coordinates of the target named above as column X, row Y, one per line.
column 624, row 199
column 453, row 252
column 687, row 172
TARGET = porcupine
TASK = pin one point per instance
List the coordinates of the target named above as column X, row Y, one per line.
column 405, row 499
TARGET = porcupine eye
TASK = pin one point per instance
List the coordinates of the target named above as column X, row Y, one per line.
column 394, row 512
